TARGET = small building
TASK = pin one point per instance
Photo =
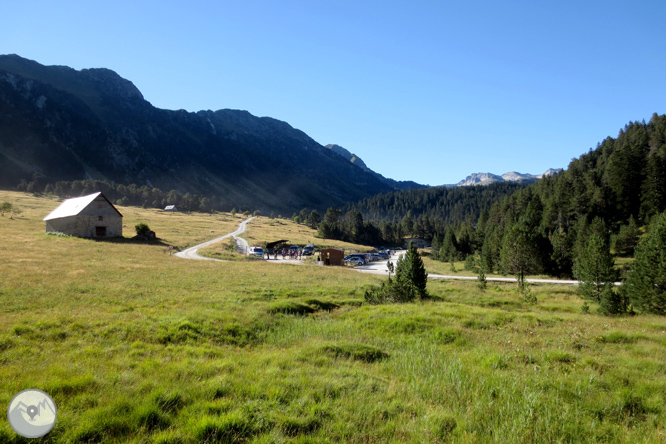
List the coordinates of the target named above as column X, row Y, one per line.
column 86, row 216
column 333, row 256
column 171, row 208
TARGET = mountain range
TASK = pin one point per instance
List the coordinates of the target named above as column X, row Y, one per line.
column 60, row 124
column 488, row 178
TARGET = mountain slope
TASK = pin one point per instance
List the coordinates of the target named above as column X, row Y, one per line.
column 353, row 158
column 62, row 124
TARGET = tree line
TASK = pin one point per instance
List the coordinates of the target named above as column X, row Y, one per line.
column 133, row 195
column 389, row 218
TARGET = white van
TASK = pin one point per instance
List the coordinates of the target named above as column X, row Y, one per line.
column 257, row 251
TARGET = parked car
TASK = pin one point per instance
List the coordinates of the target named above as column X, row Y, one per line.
column 256, row 251
column 354, row 261
column 383, row 255
column 308, row 250
column 359, row 256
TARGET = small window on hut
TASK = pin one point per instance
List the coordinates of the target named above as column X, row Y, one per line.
column 101, row 218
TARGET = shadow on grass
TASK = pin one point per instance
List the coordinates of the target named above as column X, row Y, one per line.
column 132, row 241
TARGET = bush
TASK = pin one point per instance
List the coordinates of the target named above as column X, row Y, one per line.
column 289, row 307
column 357, row 352
column 141, row 229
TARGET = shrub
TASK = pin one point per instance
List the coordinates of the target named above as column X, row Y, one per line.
column 141, row 229
column 357, row 352
column 290, row 307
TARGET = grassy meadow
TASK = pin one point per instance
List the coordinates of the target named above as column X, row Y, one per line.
column 137, row 346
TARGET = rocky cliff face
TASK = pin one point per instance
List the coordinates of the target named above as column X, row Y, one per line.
column 62, row 124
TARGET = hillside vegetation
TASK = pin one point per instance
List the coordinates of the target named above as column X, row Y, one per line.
column 138, row 346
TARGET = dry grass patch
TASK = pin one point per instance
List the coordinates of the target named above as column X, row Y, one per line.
column 263, row 229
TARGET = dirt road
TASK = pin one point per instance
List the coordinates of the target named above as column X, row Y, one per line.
column 191, row 253
column 380, row 268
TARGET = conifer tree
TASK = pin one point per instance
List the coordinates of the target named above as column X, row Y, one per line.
column 449, row 249
column 646, row 283
column 435, row 245
column 594, row 268
column 314, row 220
column 329, row 227
column 411, row 277
column 627, row 238
column 520, row 254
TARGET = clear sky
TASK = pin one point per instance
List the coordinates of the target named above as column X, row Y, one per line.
column 429, row 91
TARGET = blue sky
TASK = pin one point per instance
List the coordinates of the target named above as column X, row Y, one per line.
column 429, row 91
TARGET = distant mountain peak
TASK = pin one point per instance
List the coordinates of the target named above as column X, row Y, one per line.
column 512, row 176
column 353, row 158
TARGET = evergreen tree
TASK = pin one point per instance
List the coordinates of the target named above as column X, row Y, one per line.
column 435, row 245
column 490, row 252
column 314, row 220
column 646, row 283
column 303, row 215
column 627, row 238
column 561, row 261
column 594, row 268
column 411, row 277
column 482, row 282
column 353, row 226
column 654, row 187
column 329, row 228
column 520, row 254
column 449, row 248
column 407, row 224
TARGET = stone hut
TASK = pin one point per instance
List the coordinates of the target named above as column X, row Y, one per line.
column 86, row 216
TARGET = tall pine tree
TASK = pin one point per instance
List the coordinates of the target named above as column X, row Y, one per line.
column 646, row 283
column 594, row 269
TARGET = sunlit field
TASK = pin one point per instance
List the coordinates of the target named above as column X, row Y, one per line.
column 138, row 346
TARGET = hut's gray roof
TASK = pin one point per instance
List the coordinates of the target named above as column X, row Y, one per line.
column 72, row 207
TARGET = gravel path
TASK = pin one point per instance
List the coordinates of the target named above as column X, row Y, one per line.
column 379, row 267
column 241, row 244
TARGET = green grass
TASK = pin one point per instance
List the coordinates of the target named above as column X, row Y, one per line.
column 137, row 346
